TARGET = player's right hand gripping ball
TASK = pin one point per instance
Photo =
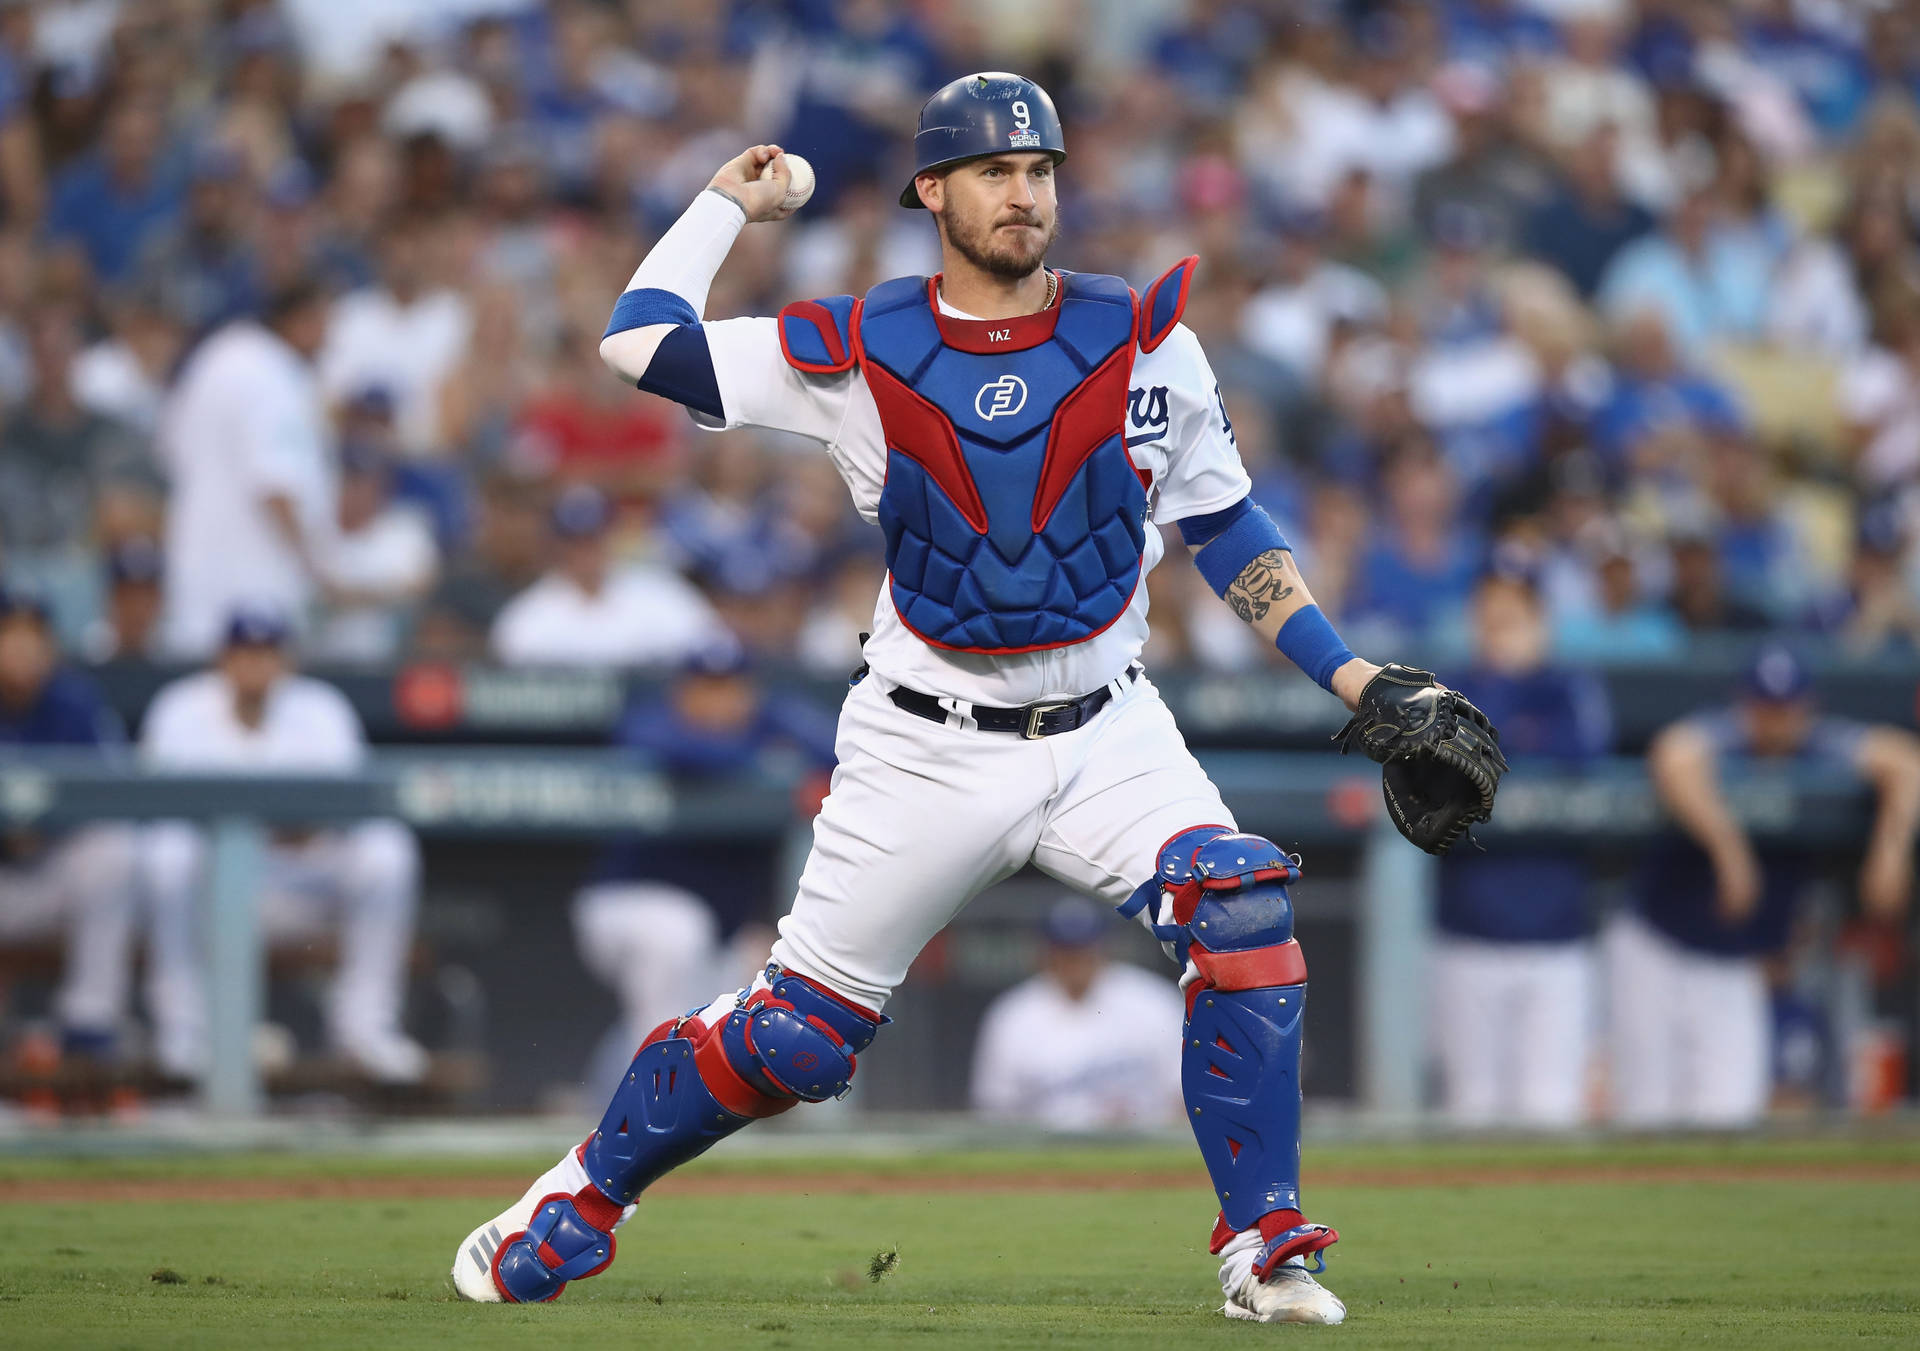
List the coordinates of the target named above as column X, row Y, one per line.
column 1442, row 757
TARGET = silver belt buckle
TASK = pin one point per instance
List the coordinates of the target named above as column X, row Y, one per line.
column 1035, row 712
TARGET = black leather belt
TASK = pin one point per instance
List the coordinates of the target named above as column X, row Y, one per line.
column 1030, row 721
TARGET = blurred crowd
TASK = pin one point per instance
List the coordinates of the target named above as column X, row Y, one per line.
column 1626, row 291
column 1553, row 332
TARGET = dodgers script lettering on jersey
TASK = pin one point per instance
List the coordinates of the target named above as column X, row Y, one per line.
column 1162, row 453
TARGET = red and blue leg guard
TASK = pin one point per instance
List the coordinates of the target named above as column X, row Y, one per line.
column 690, row 1086
column 1220, row 901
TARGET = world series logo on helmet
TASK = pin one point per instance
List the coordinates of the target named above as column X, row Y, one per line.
column 1023, row 136
column 1005, row 396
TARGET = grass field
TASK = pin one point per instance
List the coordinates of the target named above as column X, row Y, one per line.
column 1748, row 1245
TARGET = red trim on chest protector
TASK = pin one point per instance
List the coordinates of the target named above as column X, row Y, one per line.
column 1087, row 419
column 1017, row 334
column 917, row 429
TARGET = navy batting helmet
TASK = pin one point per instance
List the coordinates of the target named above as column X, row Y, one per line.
column 985, row 114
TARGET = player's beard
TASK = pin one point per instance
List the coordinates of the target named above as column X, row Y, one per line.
column 997, row 252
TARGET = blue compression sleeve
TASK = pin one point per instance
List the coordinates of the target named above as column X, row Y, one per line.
column 1199, row 531
column 682, row 370
column 648, row 305
column 1251, row 534
column 1308, row 641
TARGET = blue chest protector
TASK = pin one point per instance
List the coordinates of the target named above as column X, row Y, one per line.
column 1014, row 517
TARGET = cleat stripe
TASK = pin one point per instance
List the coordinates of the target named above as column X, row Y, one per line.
column 484, row 1263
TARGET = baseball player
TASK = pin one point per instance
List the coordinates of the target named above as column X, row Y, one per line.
column 1016, row 432
column 251, row 713
column 1688, row 1006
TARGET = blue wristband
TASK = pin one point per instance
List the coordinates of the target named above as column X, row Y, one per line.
column 1251, row 534
column 648, row 305
column 1308, row 641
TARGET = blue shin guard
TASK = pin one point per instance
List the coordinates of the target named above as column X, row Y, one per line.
column 690, row 1086
column 1221, row 903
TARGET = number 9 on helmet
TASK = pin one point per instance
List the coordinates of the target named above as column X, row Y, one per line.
column 988, row 113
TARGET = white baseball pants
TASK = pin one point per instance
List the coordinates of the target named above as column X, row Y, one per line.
column 1512, row 1031
column 656, row 945
column 1689, row 1031
column 923, row 816
column 84, row 887
column 365, row 878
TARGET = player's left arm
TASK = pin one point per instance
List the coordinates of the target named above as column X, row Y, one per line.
column 1889, row 759
column 1204, row 489
column 1250, row 565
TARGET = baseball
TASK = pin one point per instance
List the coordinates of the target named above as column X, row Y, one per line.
column 800, row 184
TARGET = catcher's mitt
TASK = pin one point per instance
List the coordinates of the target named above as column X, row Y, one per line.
column 1442, row 757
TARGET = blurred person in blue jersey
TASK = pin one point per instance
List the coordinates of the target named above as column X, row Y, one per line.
column 1690, row 1026
column 1080, row 1045
column 661, row 914
column 76, row 881
column 1512, row 965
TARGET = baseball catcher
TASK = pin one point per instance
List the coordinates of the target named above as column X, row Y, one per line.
column 1018, row 434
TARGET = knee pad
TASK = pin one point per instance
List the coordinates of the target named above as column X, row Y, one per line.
column 1219, row 900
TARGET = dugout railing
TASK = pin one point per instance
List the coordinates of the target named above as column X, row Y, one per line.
column 1306, row 800
column 453, row 703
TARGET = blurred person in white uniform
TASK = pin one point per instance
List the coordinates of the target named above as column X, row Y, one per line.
column 588, row 610
column 1080, row 1046
column 407, row 333
column 252, row 715
column 381, row 562
column 246, row 444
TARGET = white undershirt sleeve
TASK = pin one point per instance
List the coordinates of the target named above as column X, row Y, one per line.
column 757, row 386
column 689, row 254
column 684, row 261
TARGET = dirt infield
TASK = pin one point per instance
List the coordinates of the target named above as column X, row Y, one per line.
column 94, row 1191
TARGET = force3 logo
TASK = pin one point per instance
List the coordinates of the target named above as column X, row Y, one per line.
column 1002, row 397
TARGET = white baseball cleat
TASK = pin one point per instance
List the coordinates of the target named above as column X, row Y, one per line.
column 1289, row 1295
column 473, row 1262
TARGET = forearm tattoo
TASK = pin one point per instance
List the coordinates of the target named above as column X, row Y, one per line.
column 1261, row 585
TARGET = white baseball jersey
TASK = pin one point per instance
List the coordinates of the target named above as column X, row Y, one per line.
column 1177, row 432
column 1101, row 1062
column 308, row 727
column 643, row 615
column 245, row 423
